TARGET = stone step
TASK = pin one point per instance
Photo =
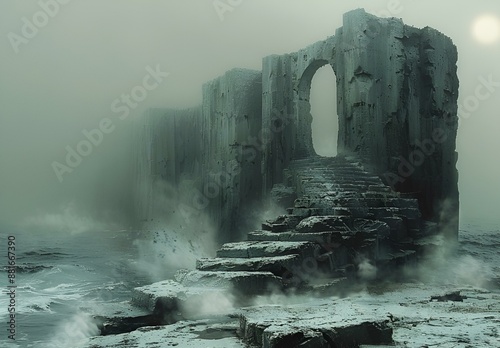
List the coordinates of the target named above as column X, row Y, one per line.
column 376, row 202
column 329, row 172
column 251, row 249
column 202, row 331
column 344, row 192
column 351, row 205
column 378, row 212
column 329, row 223
column 382, row 195
column 328, row 240
column 325, row 223
column 301, row 325
column 245, row 283
column 358, row 201
column 282, row 223
column 331, row 166
column 277, row 265
column 333, row 179
column 358, row 186
column 168, row 296
column 334, row 161
column 346, row 173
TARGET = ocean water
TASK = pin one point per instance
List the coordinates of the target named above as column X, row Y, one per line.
column 63, row 278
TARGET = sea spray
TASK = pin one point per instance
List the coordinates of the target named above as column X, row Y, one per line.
column 74, row 332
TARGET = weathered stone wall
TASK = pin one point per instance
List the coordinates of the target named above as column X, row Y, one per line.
column 167, row 150
column 213, row 146
column 286, row 84
column 231, row 159
column 398, row 91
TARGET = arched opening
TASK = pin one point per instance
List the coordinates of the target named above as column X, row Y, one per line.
column 325, row 123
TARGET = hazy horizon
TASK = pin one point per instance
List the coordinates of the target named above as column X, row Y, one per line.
column 68, row 75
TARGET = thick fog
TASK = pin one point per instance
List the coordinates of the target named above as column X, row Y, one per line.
column 64, row 66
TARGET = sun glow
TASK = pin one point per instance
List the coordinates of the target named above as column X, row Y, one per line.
column 486, row 29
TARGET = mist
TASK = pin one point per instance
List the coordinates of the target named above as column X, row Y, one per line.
column 65, row 78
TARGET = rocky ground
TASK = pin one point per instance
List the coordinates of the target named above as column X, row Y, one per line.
column 405, row 315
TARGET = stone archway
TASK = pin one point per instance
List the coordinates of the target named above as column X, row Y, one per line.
column 304, row 129
column 325, row 122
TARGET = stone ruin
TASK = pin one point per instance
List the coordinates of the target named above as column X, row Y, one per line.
column 390, row 192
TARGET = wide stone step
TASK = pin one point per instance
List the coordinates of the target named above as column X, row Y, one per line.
column 358, row 186
column 265, row 249
column 245, row 283
column 331, row 180
column 322, row 162
column 324, row 224
column 338, row 175
column 379, row 212
column 383, row 195
column 347, row 172
column 210, row 332
column 318, row 191
column 323, row 323
column 323, row 192
column 277, row 265
column 168, row 296
column 282, row 223
column 328, row 240
column 355, row 206
column 376, row 202
column 328, row 223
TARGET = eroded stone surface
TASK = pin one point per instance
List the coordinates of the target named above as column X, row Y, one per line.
column 265, row 248
column 276, row 265
column 322, row 324
column 245, row 283
column 208, row 333
column 407, row 309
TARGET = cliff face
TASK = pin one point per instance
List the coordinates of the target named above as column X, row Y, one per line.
column 213, row 151
column 397, row 104
column 398, row 91
column 230, row 174
column 166, row 151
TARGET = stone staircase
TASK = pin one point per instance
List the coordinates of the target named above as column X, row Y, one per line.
column 343, row 227
column 344, row 223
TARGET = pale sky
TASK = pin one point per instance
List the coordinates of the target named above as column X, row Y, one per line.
column 62, row 78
